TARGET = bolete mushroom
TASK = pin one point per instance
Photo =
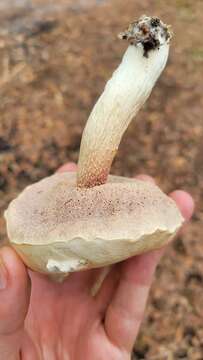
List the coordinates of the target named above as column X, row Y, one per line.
column 70, row 222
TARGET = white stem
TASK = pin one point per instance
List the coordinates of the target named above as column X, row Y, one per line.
column 123, row 96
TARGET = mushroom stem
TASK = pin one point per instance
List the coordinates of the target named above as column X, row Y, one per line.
column 123, row 96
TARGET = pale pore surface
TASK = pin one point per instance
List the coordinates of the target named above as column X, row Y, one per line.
column 54, row 210
column 57, row 228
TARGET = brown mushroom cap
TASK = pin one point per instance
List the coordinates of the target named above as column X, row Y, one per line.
column 59, row 228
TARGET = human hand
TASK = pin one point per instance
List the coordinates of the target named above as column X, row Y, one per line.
column 52, row 321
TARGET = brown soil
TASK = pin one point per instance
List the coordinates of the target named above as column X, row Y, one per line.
column 53, row 65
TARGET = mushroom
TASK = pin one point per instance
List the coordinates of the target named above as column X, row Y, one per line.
column 71, row 222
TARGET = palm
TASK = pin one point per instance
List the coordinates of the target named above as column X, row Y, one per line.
column 66, row 321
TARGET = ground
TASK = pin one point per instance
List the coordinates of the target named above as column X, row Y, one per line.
column 54, row 60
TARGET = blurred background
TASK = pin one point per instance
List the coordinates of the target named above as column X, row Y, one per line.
column 55, row 57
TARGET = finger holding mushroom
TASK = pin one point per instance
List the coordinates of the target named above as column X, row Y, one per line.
column 71, row 222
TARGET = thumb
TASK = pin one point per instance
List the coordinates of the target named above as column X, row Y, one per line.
column 14, row 302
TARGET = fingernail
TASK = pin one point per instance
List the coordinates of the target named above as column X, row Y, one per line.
column 3, row 275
